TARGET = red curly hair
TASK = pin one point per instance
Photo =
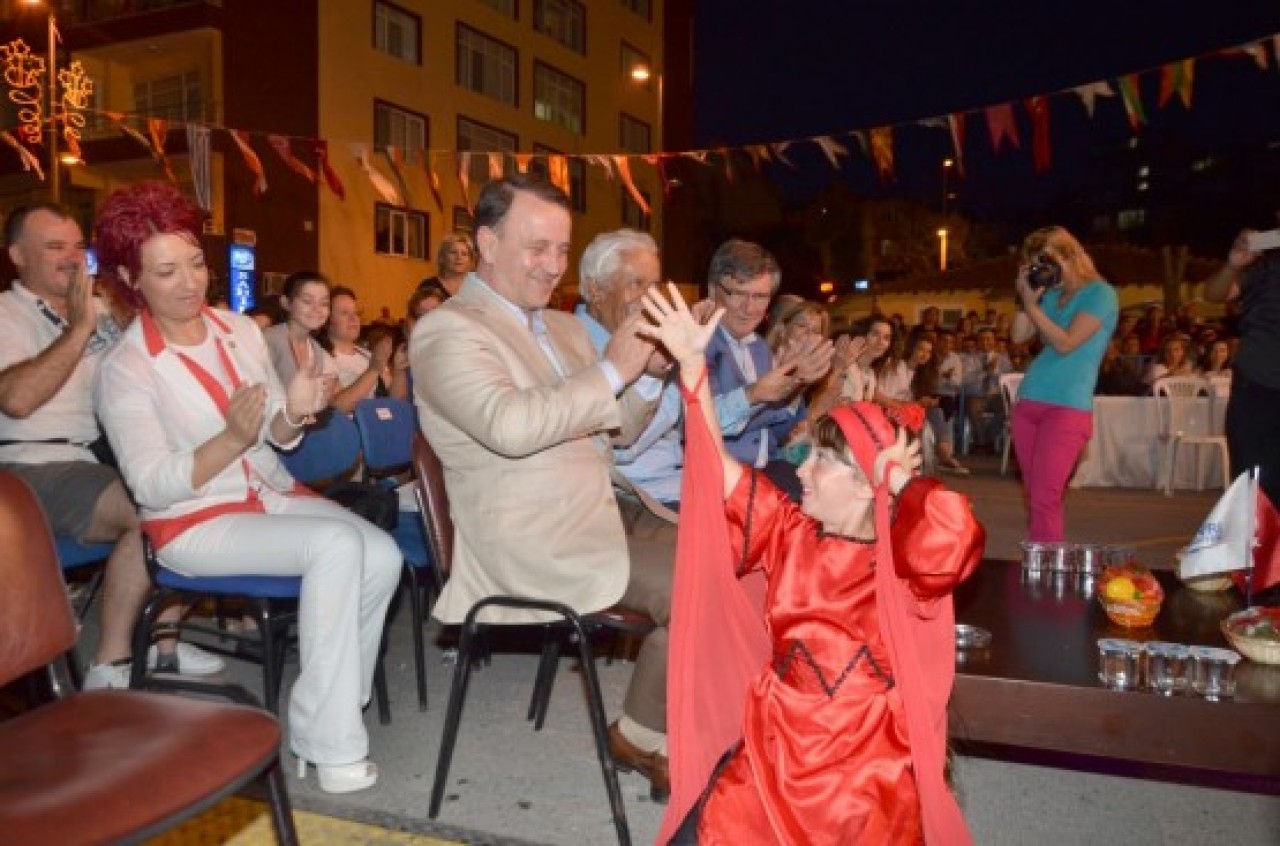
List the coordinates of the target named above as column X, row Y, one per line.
column 128, row 218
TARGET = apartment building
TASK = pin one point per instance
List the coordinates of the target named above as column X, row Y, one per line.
column 409, row 84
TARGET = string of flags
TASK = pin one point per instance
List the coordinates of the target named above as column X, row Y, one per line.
column 1175, row 80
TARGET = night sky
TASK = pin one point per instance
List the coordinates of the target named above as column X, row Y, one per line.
column 767, row 70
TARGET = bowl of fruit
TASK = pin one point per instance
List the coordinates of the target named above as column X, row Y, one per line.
column 1130, row 595
column 1255, row 633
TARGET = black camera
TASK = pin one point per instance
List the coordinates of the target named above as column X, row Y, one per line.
column 1044, row 272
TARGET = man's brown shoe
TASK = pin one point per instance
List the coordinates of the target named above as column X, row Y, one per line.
column 651, row 765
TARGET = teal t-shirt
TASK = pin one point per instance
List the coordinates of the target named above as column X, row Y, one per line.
column 1069, row 379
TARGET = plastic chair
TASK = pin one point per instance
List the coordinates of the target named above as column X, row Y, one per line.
column 1010, row 384
column 107, row 766
column 1185, row 405
column 387, row 428
column 327, row 451
column 580, row 627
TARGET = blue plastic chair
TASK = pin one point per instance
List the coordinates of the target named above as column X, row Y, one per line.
column 73, row 556
column 387, row 428
column 328, row 450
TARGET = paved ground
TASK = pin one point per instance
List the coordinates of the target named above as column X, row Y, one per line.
column 511, row 784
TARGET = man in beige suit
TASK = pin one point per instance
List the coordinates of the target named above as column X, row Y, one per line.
column 522, row 411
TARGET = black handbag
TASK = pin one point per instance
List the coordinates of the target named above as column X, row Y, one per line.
column 378, row 504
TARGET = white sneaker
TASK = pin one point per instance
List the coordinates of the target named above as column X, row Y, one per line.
column 188, row 660
column 107, row 676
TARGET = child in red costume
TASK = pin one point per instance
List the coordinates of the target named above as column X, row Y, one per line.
column 843, row 728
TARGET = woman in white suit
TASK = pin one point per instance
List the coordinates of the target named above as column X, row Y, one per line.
column 192, row 405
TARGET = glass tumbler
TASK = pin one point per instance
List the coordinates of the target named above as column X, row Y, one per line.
column 1166, row 666
column 1118, row 663
column 1213, row 672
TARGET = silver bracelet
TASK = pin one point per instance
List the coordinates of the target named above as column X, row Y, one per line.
column 306, row 420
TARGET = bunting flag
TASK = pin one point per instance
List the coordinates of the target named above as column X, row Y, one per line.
column 380, row 183
column 780, row 152
column 1256, row 51
column 280, row 144
column 1176, row 78
column 1132, row 97
column 251, row 160
column 198, row 158
column 464, row 176
column 28, row 158
column 433, row 180
column 159, row 129
column 558, row 173
column 119, row 120
column 497, row 170
column 522, row 161
column 321, row 150
column 955, row 123
column 1089, row 94
column 602, row 161
column 1038, row 109
column 882, row 151
column 1001, row 125
column 861, row 138
column 832, row 149
column 624, row 173
column 395, row 160
column 1242, row 532
column 729, row 174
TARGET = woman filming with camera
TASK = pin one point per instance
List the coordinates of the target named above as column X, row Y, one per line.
column 1074, row 311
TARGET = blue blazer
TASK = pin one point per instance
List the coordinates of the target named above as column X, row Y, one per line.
column 771, row 420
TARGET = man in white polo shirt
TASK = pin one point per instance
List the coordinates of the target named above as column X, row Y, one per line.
column 52, row 337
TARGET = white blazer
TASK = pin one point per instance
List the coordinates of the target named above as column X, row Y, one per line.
column 156, row 413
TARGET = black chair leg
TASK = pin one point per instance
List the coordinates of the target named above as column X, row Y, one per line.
column 453, row 715
column 546, row 677
column 281, row 809
column 272, row 654
column 142, row 634
column 380, row 693
column 418, row 621
column 600, row 728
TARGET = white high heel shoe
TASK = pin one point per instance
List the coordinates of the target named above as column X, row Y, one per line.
column 342, row 778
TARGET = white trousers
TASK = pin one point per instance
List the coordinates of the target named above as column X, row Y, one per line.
column 349, row 569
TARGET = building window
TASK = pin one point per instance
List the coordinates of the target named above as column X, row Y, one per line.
column 577, row 175
column 399, row 128
column 397, row 32
column 510, row 8
column 559, row 98
column 176, row 97
column 634, row 136
column 400, row 232
column 643, row 8
column 1131, row 218
column 462, row 220
column 562, row 20
column 632, row 215
column 477, row 137
column 632, row 58
column 486, row 65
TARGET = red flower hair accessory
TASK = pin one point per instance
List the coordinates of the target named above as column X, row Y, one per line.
column 909, row 417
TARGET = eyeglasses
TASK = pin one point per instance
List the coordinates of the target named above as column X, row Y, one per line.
column 737, row 297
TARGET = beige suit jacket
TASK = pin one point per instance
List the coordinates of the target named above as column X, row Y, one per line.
column 525, row 454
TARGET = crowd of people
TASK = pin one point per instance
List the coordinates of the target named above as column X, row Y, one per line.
column 744, row 411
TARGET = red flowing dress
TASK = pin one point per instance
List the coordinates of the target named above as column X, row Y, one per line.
column 825, row 757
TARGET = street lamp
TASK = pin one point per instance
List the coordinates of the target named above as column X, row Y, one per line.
column 51, row 82
column 947, row 164
column 641, row 74
column 942, row 249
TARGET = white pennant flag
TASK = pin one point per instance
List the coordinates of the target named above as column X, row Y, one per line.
column 1225, row 540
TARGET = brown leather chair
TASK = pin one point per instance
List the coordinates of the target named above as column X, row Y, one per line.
column 579, row 628
column 107, row 766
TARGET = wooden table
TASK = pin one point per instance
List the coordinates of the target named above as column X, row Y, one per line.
column 1033, row 695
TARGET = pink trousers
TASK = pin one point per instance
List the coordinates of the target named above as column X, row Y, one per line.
column 1048, row 440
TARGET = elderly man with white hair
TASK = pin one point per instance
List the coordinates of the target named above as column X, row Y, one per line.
column 615, row 271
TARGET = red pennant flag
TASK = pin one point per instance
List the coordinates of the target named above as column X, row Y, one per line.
column 159, row 128
column 433, row 180
column 464, row 176
column 1001, row 125
column 558, row 172
column 496, row 169
column 522, row 161
column 1266, row 552
column 955, row 123
column 1176, row 78
column 881, row 140
column 1132, row 97
column 624, row 171
column 251, row 160
column 1038, row 108
column 28, row 158
column 395, row 158
column 321, row 150
column 280, row 144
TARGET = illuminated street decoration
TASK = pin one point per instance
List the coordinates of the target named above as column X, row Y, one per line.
column 25, row 75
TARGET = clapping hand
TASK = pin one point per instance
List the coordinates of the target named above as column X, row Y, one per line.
column 810, row 358
column 848, row 349
column 307, row 395
column 245, row 412
column 903, row 453
column 672, row 324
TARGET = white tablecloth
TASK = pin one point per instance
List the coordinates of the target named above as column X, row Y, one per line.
column 1124, row 451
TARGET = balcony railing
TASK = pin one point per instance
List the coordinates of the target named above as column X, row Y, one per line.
column 72, row 12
